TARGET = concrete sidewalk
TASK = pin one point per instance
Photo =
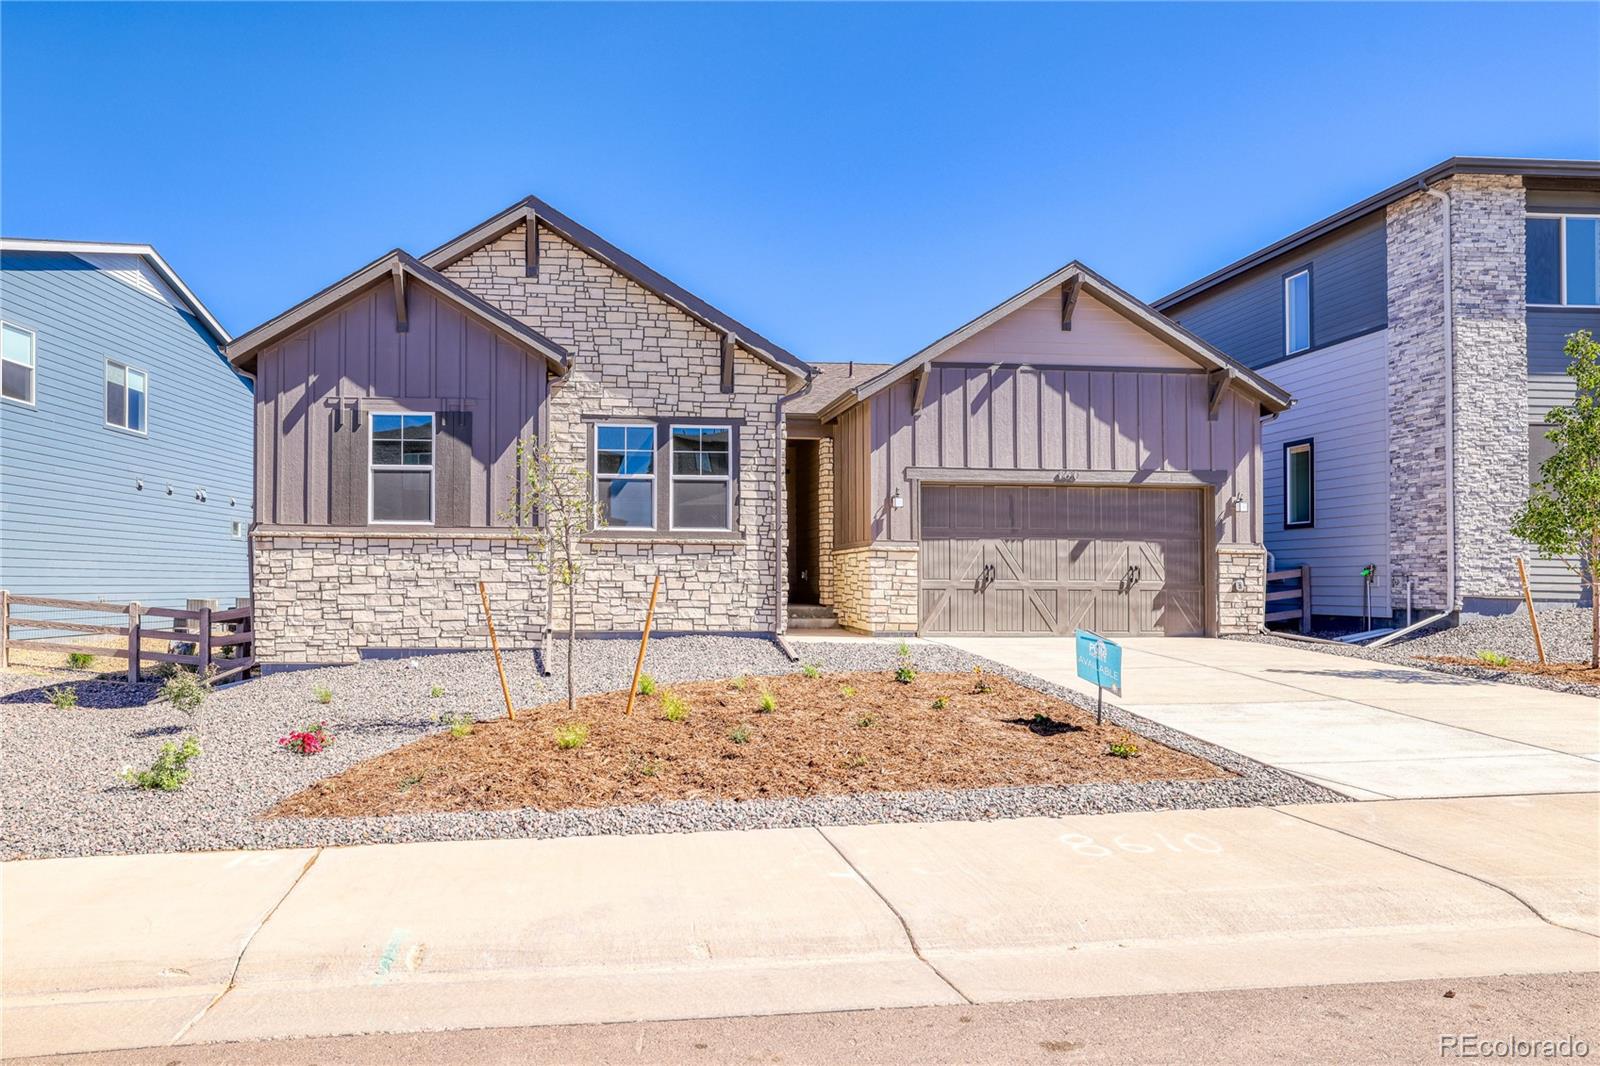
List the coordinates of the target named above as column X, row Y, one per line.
column 1369, row 730
column 152, row 950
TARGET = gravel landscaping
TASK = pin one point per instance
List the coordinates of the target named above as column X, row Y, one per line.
column 1565, row 630
column 63, row 797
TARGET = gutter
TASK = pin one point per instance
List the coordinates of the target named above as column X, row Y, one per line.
column 780, row 617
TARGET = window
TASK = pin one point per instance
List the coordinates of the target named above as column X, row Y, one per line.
column 16, row 363
column 126, row 390
column 1299, row 484
column 1297, row 312
column 1563, row 253
column 236, row 530
column 625, row 474
column 401, row 486
column 702, row 481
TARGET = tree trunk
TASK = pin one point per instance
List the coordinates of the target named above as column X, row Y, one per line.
column 572, row 640
column 1594, row 601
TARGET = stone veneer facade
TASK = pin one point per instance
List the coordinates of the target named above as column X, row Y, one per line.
column 1488, row 273
column 1241, row 612
column 875, row 588
column 634, row 356
column 825, row 522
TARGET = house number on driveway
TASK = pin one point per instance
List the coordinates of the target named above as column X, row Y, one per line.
column 1086, row 846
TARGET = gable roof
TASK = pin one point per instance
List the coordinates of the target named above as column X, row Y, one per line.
column 1542, row 168
column 831, row 382
column 1129, row 307
column 148, row 253
column 532, row 207
column 242, row 352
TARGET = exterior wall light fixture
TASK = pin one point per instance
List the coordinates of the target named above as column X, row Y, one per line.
column 898, row 501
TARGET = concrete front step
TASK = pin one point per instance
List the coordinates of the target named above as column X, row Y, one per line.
column 811, row 616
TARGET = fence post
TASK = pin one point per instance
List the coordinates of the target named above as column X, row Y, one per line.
column 133, row 643
column 5, row 628
column 1305, row 599
column 203, row 643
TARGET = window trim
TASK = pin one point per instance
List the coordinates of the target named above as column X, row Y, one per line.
column 1561, row 256
column 1309, row 445
column 673, row 476
column 126, row 369
column 33, row 374
column 655, row 462
column 1311, row 341
column 433, row 464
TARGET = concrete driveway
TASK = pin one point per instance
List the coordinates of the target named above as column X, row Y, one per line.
column 1366, row 729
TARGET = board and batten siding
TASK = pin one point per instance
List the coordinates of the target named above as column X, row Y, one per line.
column 444, row 361
column 1024, row 417
column 1349, row 296
column 1341, row 405
column 73, row 521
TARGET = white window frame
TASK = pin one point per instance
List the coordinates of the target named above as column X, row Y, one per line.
column 126, row 369
column 595, row 476
column 1288, row 310
column 1309, row 446
column 33, row 376
column 433, row 466
column 1561, row 252
column 673, row 476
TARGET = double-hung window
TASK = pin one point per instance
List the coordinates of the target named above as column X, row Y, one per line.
column 1297, row 312
column 1299, row 484
column 16, row 363
column 400, row 478
column 127, row 396
column 625, row 474
column 702, row 479
column 1563, row 254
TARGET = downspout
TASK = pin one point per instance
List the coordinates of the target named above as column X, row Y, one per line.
column 1449, row 439
column 780, row 618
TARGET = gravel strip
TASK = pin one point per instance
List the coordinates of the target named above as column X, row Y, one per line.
column 1565, row 631
column 62, row 796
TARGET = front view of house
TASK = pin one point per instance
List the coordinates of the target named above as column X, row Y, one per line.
column 1068, row 459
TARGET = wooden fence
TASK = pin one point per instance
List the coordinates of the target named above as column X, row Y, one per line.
column 1301, row 577
column 223, row 640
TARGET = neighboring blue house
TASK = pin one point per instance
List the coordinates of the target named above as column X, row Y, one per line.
column 125, row 437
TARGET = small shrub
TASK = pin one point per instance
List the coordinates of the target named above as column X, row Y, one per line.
column 575, row 735
column 80, row 660
column 866, row 721
column 739, row 734
column 647, row 685
column 459, row 723
column 905, row 674
column 308, row 741
column 980, row 684
column 673, row 707
column 767, row 703
column 810, row 670
column 940, row 703
column 739, row 683
column 1493, row 658
column 62, row 697
column 169, row 770
column 856, row 762
column 903, row 650
column 322, row 695
column 647, row 768
column 847, row 691
column 436, row 691
column 414, row 779
column 184, row 690
column 1123, row 751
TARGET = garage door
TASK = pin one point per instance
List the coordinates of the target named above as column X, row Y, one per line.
column 1047, row 560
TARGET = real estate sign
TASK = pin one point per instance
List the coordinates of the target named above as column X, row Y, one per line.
column 1100, row 661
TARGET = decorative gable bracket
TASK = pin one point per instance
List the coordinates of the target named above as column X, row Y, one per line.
column 1069, row 299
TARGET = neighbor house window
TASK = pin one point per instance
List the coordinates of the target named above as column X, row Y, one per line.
column 702, row 478
column 1563, row 256
column 401, row 482
column 16, row 363
column 127, row 393
column 1297, row 312
column 1299, row 484
column 625, row 474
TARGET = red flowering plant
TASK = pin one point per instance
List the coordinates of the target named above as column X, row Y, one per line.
column 308, row 741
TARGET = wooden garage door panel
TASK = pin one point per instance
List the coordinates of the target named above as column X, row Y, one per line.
column 1034, row 560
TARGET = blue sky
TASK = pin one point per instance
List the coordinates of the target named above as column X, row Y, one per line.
column 852, row 181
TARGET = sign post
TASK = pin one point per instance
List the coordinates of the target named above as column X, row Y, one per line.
column 1100, row 661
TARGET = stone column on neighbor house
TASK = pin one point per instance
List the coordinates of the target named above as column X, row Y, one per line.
column 875, row 587
column 1241, row 590
column 1490, row 388
column 825, row 522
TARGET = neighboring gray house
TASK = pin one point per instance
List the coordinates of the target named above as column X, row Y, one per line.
column 124, row 433
column 1420, row 332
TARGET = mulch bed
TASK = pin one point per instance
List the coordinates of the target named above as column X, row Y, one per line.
column 883, row 737
column 1582, row 673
